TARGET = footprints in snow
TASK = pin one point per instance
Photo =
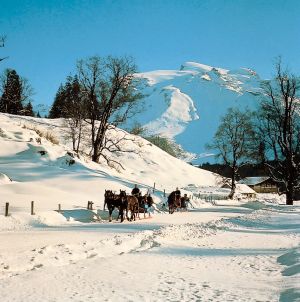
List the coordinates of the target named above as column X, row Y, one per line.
column 63, row 254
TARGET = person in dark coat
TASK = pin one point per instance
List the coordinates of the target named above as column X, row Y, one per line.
column 136, row 191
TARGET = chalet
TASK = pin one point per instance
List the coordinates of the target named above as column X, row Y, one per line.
column 242, row 190
column 245, row 191
column 260, row 184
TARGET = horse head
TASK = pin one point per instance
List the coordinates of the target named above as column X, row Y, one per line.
column 108, row 194
column 123, row 195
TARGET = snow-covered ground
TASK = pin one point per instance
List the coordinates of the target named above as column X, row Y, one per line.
column 230, row 251
column 220, row 253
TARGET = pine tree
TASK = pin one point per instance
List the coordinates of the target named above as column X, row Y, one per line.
column 11, row 99
column 58, row 104
column 38, row 114
column 28, row 110
column 67, row 96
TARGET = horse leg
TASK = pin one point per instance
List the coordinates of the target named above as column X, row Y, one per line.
column 110, row 210
column 131, row 214
column 122, row 214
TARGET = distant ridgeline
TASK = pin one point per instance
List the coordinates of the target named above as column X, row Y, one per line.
column 247, row 170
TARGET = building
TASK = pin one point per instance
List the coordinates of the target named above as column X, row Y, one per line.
column 241, row 190
column 245, row 191
column 260, row 184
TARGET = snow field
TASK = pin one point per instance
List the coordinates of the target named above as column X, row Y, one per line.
column 216, row 258
column 228, row 252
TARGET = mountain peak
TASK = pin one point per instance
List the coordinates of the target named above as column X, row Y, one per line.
column 186, row 104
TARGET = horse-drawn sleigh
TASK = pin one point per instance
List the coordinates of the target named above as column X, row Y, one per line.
column 176, row 201
column 127, row 203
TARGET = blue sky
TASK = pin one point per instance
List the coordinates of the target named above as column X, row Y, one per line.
column 45, row 38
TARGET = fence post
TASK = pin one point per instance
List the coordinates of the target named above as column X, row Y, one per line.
column 90, row 205
column 153, row 187
column 59, row 208
column 6, row 208
column 164, row 192
column 32, row 208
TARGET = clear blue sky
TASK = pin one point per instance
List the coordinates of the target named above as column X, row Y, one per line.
column 46, row 37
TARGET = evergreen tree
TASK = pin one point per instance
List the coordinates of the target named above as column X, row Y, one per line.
column 58, row 104
column 11, row 99
column 67, row 98
column 38, row 114
column 28, row 110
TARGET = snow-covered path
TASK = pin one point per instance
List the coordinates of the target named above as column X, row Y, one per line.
column 211, row 254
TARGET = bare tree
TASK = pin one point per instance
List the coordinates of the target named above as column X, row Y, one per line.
column 279, row 127
column 111, row 95
column 2, row 44
column 233, row 141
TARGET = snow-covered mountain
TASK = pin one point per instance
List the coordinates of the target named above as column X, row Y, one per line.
column 186, row 104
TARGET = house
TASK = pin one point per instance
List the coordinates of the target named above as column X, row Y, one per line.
column 242, row 190
column 245, row 191
column 260, row 184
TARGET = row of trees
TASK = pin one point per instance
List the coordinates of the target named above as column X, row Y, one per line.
column 104, row 93
column 270, row 135
column 101, row 95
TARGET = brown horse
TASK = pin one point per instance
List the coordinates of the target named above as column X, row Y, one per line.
column 174, row 201
column 132, row 206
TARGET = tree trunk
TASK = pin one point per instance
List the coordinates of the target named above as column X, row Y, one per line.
column 233, row 186
column 95, row 155
column 290, row 194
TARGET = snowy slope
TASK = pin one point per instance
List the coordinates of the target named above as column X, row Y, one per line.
column 49, row 180
column 186, row 104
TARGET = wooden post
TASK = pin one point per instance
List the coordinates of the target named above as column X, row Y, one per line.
column 6, row 208
column 32, row 208
column 164, row 192
column 59, row 207
column 90, row 205
column 153, row 187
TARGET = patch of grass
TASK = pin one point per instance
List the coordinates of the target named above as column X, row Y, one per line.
column 48, row 135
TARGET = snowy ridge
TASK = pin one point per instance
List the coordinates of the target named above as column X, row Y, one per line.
column 180, row 111
column 186, row 104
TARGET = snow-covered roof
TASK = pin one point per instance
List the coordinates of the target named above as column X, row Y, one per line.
column 253, row 180
column 242, row 188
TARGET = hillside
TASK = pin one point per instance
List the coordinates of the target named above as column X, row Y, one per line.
column 54, row 257
column 41, row 172
column 186, row 104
